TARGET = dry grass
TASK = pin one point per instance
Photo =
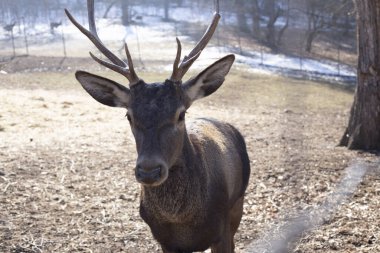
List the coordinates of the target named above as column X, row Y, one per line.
column 67, row 184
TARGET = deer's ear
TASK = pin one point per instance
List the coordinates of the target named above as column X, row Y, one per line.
column 209, row 80
column 104, row 90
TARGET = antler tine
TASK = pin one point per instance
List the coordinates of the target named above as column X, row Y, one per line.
column 206, row 37
column 176, row 61
column 130, row 63
column 91, row 17
column 114, row 67
column 92, row 34
column 117, row 64
column 180, row 71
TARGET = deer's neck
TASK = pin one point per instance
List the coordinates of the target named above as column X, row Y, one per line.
column 182, row 194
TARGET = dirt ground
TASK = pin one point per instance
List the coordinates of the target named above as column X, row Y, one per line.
column 66, row 162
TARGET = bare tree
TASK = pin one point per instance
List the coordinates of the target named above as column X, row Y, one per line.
column 109, row 7
column 9, row 28
column 166, row 10
column 239, row 7
column 273, row 13
column 363, row 131
column 286, row 25
column 324, row 15
column 316, row 21
column 256, row 30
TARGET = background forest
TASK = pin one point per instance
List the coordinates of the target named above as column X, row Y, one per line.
column 302, row 28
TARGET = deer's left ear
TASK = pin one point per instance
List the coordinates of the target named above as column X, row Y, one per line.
column 103, row 90
column 209, row 80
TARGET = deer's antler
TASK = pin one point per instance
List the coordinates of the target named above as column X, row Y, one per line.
column 116, row 64
column 180, row 69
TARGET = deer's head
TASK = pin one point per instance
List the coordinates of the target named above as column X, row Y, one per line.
column 156, row 111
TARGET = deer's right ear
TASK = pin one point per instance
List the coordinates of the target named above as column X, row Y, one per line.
column 104, row 90
column 209, row 80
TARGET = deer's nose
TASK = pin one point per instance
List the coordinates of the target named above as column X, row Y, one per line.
column 148, row 175
column 149, row 171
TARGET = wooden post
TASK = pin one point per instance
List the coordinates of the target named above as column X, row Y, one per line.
column 63, row 43
column 13, row 43
column 25, row 37
column 339, row 59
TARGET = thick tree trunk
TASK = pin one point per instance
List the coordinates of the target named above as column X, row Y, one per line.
column 363, row 131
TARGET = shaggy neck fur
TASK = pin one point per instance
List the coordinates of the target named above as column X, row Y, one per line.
column 180, row 197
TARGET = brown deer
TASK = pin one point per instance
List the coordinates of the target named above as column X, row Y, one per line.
column 193, row 176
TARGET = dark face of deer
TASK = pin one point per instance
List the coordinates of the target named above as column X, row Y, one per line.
column 156, row 113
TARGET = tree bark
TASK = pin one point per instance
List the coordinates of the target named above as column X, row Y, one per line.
column 363, row 131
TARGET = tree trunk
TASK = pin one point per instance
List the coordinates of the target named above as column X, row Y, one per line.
column 271, row 30
column 309, row 40
column 283, row 29
column 166, row 10
column 240, row 16
column 108, row 9
column 256, row 31
column 179, row 3
column 347, row 25
column 363, row 131
column 125, row 19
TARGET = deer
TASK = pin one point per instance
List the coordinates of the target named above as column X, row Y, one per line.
column 54, row 25
column 9, row 27
column 193, row 175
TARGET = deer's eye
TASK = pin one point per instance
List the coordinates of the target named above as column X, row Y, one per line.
column 181, row 116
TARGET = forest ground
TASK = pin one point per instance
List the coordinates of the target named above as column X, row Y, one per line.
column 66, row 162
